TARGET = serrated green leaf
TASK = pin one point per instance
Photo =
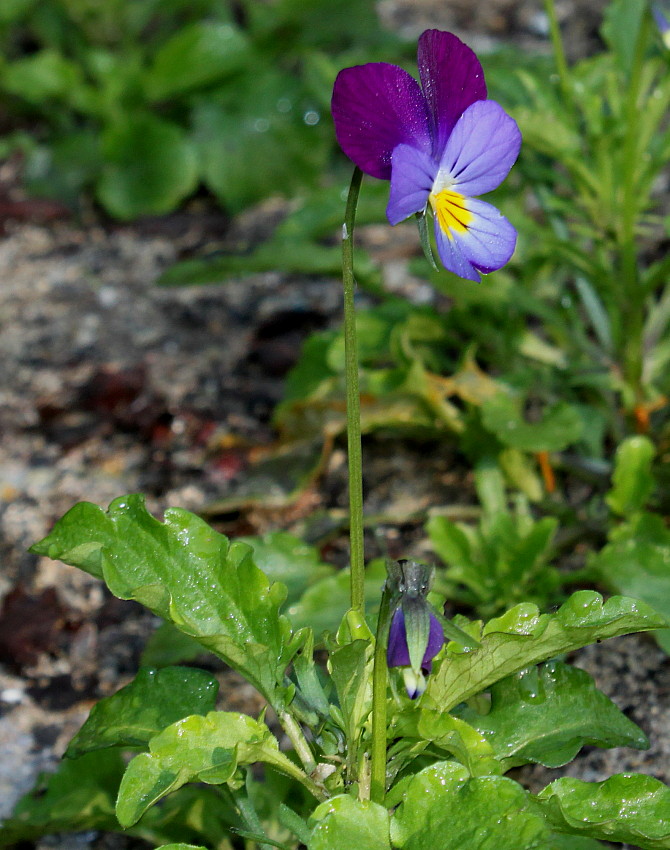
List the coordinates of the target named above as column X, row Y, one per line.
column 150, row 167
column 346, row 822
column 547, row 714
column 523, row 637
column 185, row 572
column 632, row 481
column 637, row 562
column 443, row 807
column 153, row 700
column 196, row 749
column 626, row 808
column 561, row 425
column 197, row 55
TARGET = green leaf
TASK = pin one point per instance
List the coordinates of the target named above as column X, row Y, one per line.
column 150, row 167
column 80, row 796
column 621, row 27
column 635, row 562
column 547, row 714
column 264, row 137
column 184, row 571
column 346, row 822
column 44, row 76
column 153, row 700
column 561, row 425
column 632, row 481
column 181, row 847
column 451, row 735
column 350, row 668
column 196, row 749
column 627, row 808
column 286, row 558
column 197, row 55
column 523, row 637
column 444, row 808
column 167, row 646
column 326, row 601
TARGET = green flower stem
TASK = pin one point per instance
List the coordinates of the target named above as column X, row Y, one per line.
column 353, row 401
column 633, row 293
column 379, row 680
column 559, row 52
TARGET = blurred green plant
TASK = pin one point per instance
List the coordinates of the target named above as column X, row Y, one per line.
column 142, row 101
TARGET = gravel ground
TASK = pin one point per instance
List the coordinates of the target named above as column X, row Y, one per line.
column 113, row 385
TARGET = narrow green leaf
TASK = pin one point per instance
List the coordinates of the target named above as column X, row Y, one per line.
column 153, row 700
column 196, row 749
column 632, row 481
column 627, row 808
column 344, row 822
column 547, row 714
column 350, row 668
column 523, row 637
column 443, row 807
column 181, row 847
column 187, row 573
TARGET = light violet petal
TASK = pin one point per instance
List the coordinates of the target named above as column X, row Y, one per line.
column 487, row 243
column 377, row 107
column 452, row 256
column 412, row 176
column 397, row 653
column 452, row 79
column 481, row 150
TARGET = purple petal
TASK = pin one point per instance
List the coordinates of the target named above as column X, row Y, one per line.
column 412, row 176
column 481, row 150
column 397, row 653
column 452, row 79
column 435, row 643
column 484, row 245
column 377, row 107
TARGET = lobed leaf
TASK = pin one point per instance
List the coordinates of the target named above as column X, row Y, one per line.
column 196, row 749
column 626, row 808
column 443, row 807
column 546, row 714
column 153, row 700
column 184, row 571
column 523, row 637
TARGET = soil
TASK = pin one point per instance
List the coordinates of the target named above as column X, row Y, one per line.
column 114, row 385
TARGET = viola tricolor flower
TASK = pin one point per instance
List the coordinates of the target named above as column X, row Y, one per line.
column 415, row 635
column 440, row 144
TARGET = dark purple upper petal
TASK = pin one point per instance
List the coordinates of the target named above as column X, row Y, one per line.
column 435, row 643
column 377, row 107
column 412, row 176
column 397, row 652
column 452, row 79
column 481, row 150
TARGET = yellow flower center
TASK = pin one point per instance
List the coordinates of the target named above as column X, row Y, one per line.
column 450, row 211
